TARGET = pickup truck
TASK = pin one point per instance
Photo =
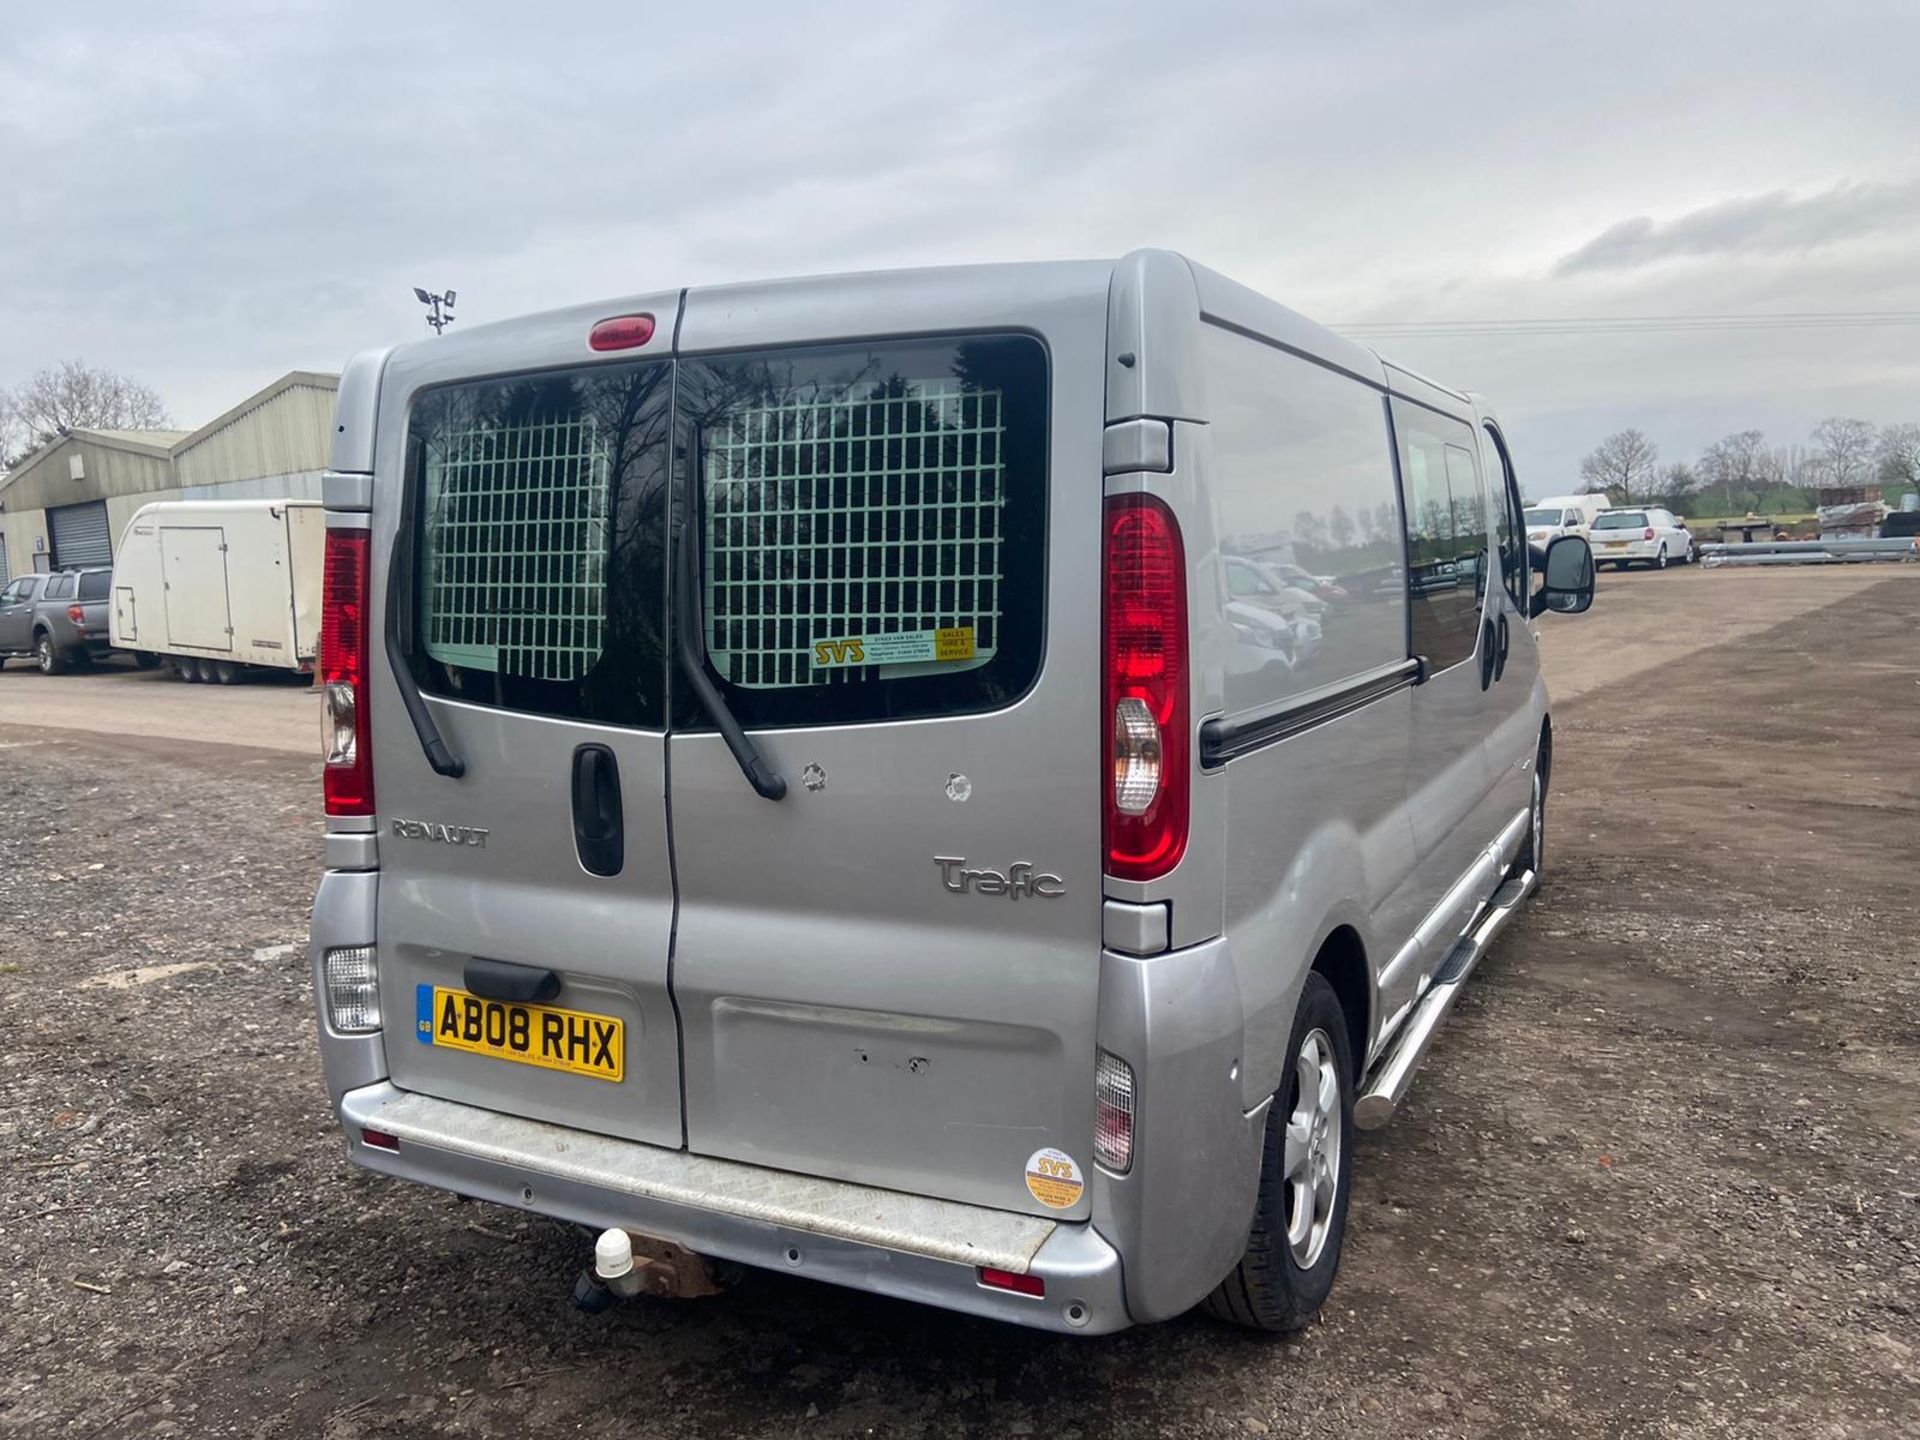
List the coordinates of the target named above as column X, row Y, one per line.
column 56, row 619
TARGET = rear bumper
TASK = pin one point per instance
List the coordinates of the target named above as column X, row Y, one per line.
column 1630, row 550
column 907, row 1246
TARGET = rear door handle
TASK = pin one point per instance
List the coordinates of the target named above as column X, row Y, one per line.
column 1500, row 650
column 1489, row 653
column 599, row 832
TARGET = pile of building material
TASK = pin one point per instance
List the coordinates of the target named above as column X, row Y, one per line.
column 1848, row 512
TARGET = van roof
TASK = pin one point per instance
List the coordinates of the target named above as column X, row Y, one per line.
column 710, row 318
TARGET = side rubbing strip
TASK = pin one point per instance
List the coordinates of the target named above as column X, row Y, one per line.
column 1222, row 739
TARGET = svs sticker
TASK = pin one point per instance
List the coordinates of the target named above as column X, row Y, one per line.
column 1054, row 1179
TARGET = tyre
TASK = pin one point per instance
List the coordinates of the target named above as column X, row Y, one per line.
column 1533, row 849
column 1660, row 560
column 204, row 669
column 146, row 660
column 188, row 669
column 225, row 672
column 1300, row 1215
column 52, row 662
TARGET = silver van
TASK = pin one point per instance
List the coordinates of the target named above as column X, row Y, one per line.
column 967, row 784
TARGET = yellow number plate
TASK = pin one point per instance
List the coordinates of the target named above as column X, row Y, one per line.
column 1616, row 545
column 571, row 1040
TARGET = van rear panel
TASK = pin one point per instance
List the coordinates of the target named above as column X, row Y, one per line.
column 891, row 975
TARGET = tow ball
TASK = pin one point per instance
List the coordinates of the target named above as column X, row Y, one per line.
column 626, row 1264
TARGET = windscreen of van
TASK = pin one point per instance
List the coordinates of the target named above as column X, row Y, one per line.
column 870, row 523
column 1621, row 520
column 1552, row 516
column 539, row 532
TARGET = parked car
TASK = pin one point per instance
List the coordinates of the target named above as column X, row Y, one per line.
column 1558, row 515
column 713, row 857
column 1648, row 536
column 57, row 620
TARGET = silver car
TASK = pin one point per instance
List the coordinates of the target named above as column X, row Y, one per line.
column 798, row 793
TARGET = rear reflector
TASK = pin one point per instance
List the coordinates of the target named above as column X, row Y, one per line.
column 348, row 775
column 623, row 332
column 380, row 1140
column 1145, row 643
column 1019, row 1284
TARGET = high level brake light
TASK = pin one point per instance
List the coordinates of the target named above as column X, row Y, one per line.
column 1145, row 644
column 343, row 673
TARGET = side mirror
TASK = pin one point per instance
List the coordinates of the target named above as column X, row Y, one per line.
column 1567, row 586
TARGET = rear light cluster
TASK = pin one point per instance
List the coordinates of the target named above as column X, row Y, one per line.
column 352, row 982
column 1113, row 1113
column 343, row 673
column 1647, row 534
column 76, row 615
column 1145, row 644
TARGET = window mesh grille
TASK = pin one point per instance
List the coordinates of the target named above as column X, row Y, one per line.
column 833, row 517
column 516, row 548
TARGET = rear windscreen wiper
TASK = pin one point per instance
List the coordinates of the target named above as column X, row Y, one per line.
column 766, row 781
column 399, row 585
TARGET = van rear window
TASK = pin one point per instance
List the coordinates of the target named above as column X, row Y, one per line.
column 538, row 529
column 870, row 522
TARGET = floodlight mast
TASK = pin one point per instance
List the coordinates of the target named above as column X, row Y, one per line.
column 439, row 308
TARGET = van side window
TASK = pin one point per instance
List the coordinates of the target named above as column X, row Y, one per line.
column 1510, row 526
column 1446, row 532
column 539, row 507
column 1308, row 521
column 59, row 587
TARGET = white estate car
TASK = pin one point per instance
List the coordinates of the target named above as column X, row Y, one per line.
column 1650, row 536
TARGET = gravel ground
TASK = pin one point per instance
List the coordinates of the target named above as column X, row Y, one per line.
column 1661, row 1176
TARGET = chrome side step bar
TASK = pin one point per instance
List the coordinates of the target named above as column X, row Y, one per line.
column 1387, row 1083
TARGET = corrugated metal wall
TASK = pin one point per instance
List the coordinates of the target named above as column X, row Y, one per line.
column 109, row 471
column 287, row 435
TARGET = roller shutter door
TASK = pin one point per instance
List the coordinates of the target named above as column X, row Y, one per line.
column 80, row 535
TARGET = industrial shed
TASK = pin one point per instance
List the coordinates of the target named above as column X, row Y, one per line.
column 66, row 504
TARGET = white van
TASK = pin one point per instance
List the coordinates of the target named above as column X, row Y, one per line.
column 218, row 587
column 1557, row 515
column 823, row 776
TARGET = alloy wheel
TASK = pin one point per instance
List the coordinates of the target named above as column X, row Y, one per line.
column 1310, row 1161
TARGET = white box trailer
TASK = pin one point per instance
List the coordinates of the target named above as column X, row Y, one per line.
column 221, row 586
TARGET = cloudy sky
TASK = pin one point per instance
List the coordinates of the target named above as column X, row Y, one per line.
column 205, row 197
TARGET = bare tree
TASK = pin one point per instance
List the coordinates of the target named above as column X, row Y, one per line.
column 1844, row 450
column 1678, row 482
column 13, row 435
column 1736, row 466
column 1622, row 465
column 74, row 396
column 1899, row 456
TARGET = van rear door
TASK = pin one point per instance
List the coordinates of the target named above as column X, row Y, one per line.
column 525, row 908
column 891, row 974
